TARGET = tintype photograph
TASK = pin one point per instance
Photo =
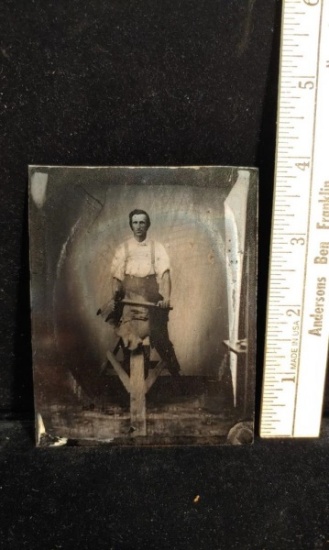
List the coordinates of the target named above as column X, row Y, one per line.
column 143, row 301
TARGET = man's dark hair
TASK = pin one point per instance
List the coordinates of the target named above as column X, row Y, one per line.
column 137, row 211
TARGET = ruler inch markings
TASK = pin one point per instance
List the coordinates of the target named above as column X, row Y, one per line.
column 321, row 116
column 297, row 335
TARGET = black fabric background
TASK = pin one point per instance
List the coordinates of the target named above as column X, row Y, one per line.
column 146, row 83
column 125, row 83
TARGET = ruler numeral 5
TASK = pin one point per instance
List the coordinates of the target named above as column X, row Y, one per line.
column 308, row 85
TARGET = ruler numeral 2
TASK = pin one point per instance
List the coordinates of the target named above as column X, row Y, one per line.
column 291, row 312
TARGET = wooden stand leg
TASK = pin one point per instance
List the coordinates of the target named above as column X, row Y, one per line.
column 137, row 387
column 137, row 393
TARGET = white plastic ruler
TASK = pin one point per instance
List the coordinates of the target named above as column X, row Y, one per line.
column 297, row 329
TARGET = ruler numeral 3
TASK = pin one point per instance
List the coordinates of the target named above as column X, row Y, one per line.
column 297, row 240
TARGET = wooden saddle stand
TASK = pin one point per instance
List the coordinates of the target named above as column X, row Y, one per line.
column 136, row 384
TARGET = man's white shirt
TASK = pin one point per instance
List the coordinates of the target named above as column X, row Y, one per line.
column 135, row 258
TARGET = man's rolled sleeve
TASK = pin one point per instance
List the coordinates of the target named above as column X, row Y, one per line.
column 162, row 262
column 118, row 264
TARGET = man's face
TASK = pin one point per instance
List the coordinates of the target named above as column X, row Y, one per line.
column 139, row 226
